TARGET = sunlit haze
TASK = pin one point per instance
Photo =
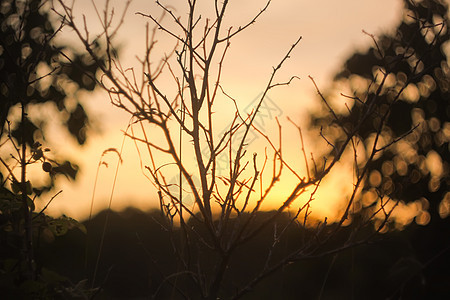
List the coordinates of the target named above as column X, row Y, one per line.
column 330, row 30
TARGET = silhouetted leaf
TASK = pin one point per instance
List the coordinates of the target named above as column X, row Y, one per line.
column 66, row 168
column 25, row 132
column 77, row 124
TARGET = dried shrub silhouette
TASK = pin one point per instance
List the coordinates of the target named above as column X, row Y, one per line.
column 223, row 216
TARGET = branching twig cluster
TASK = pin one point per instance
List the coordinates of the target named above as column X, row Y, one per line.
column 225, row 212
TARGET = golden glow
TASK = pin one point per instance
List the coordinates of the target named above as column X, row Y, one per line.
column 331, row 30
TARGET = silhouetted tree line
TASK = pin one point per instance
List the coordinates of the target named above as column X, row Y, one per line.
column 137, row 255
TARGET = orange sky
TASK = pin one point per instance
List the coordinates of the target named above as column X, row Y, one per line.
column 331, row 31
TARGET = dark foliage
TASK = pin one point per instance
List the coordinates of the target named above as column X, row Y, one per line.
column 415, row 55
column 34, row 71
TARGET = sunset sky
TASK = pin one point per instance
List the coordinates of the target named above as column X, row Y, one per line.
column 331, row 31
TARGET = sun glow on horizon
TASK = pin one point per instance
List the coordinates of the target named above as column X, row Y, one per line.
column 246, row 70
